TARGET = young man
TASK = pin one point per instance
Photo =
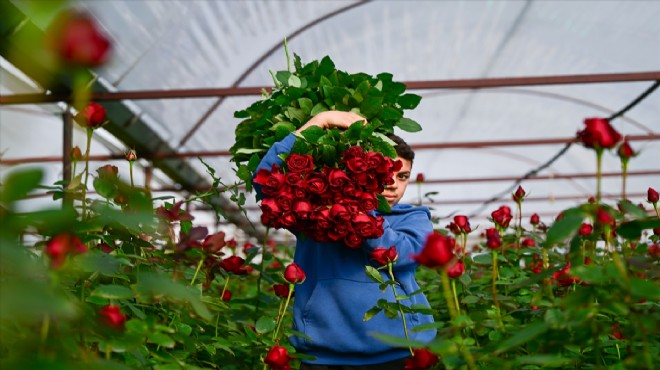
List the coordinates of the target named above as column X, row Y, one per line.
column 330, row 305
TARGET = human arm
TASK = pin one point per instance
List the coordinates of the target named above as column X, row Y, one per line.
column 332, row 118
column 408, row 236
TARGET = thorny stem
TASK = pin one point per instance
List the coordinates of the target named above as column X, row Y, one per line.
column 199, row 266
column 599, row 161
column 224, row 287
column 494, row 290
column 130, row 166
column 283, row 313
column 398, row 303
column 262, row 268
column 453, row 288
column 624, row 177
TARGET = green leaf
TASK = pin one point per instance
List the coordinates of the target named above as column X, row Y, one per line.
column 522, row 336
column 641, row 288
column 312, row 134
column 306, row 105
column 326, row 66
column 318, row 108
column 543, row 360
column 383, row 206
column 371, row 106
column 250, row 151
column 161, row 339
column 409, row 101
column 564, row 228
column 409, row 125
column 19, row 183
column 283, row 77
column 112, row 292
column 470, row 299
column 632, row 230
column 294, row 81
column 374, row 274
column 373, row 311
column 265, row 324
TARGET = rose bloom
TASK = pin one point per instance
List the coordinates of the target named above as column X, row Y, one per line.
column 294, row 274
column 300, row 163
column 278, row 358
column 271, row 181
column 502, row 216
column 383, row 256
column 604, row 218
column 112, row 317
column 336, row 177
column 234, row 265
column 493, row 239
column 316, row 183
column 456, row 270
column 563, row 277
column 59, row 246
column 652, row 196
column 108, row 172
column 535, row 219
column 598, row 134
column 585, row 229
column 131, row 156
column 364, row 225
column 94, row 115
column 226, row 296
column 462, row 223
column 281, row 290
column 519, row 195
column 77, row 40
column 438, row 250
column 422, row 359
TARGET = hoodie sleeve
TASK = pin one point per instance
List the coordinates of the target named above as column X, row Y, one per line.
column 272, row 157
column 407, row 235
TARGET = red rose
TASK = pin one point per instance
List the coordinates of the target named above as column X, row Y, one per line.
column 354, row 151
column 339, row 213
column 271, row 181
column 535, row 219
column 422, row 359
column 462, row 223
column 616, row 332
column 288, row 219
column 278, row 358
column 367, row 201
column 302, row 209
column 294, row 274
column 338, row 231
column 604, row 218
column 235, row 265
column 357, row 164
column 284, row 200
column 528, row 242
column 213, row 243
column 652, row 196
column 281, row 290
column 300, row 163
column 377, row 162
column 226, row 296
column 363, row 225
column 383, row 256
column 502, row 216
column 519, row 195
column 456, row 270
column 420, row 178
column 598, row 134
column 108, row 172
column 58, row 247
column 585, row 229
column 131, row 156
column 563, row 278
column 654, row 250
column 94, row 115
column 493, row 240
column 321, row 217
column 77, row 40
column 337, row 178
column 353, row 240
column 438, row 250
column 106, row 248
column 112, row 317
column 625, row 151
column 316, row 183
column 293, row 179
column 76, row 154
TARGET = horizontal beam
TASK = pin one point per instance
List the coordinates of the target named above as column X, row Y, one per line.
column 477, row 83
column 226, row 153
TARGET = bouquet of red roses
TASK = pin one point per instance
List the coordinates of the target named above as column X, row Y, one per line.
column 332, row 179
column 328, row 203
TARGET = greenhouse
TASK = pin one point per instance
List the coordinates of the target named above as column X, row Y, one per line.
column 215, row 184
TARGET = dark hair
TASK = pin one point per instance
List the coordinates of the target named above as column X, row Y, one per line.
column 402, row 148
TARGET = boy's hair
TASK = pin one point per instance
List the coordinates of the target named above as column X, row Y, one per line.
column 402, row 148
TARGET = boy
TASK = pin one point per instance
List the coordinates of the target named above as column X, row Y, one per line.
column 330, row 304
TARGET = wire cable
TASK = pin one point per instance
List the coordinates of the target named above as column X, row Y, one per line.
column 561, row 152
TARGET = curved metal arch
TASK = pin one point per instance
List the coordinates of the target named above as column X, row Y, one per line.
column 263, row 57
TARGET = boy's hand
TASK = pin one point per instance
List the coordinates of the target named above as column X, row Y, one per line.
column 332, row 118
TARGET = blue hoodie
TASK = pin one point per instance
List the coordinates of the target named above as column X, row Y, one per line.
column 330, row 305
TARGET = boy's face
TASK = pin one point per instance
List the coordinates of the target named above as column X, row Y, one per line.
column 393, row 193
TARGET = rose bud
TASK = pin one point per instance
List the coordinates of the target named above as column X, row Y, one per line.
column 226, row 295
column 535, row 219
column 112, row 317
column 456, row 270
column 591, row 199
column 462, row 223
column 586, row 229
column 528, row 242
column 654, row 250
column 77, row 40
column 281, row 290
column 519, row 195
column 294, row 274
column 604, row 218
column 58, row 247
column 421, row 359
column 76, row 154
column 616, row 332
column 106, row 248
column 131, row 156
column 108, row 172
column 438, row 250
column 384, row 256
column 493, row 239
column 598, row 134
column 278, row 358
column 625, row 151
column 420, row 178
column 235, row 265
column 94, row 115
column 652, row 196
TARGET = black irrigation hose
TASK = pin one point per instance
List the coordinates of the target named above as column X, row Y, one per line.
column 561, row 152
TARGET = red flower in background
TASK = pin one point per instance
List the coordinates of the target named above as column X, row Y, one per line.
column 278, row 358
column 235, row 265
column 94, row 115
column 493, row 239
column 112, row 317
column 460, row 225
column 598, row 134
column 226, row 295
column 383, row 256
column 76, row 154
column 175, row 213
column 294, row 274
column 625, row 151
column 563, row 276
column 604, row 218
column 615, row 332
column 60, row 246
column 502, row 216
column 456, row 270
column 652, row 196
column 422, row 359
column 281, row 290
column 585, row 229
column 437, row 252
column 76, row 39
column 535, row 219
column 420, row 178
column 519, row 195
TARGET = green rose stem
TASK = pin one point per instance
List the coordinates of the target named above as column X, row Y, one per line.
column 84, row 189
column 45, row 325
column 283, row 313
column 599, row 162
column 454, row 315
column 624, row 177
column 494, row 291
column 130, row 167
column 615, row 254
column 199, row 266
column 453, row 288
column 262, row 268
column 519, row 229
column 224, row 288
column 398, row 303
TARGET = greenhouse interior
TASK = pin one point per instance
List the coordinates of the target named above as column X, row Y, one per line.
column 208, row 184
